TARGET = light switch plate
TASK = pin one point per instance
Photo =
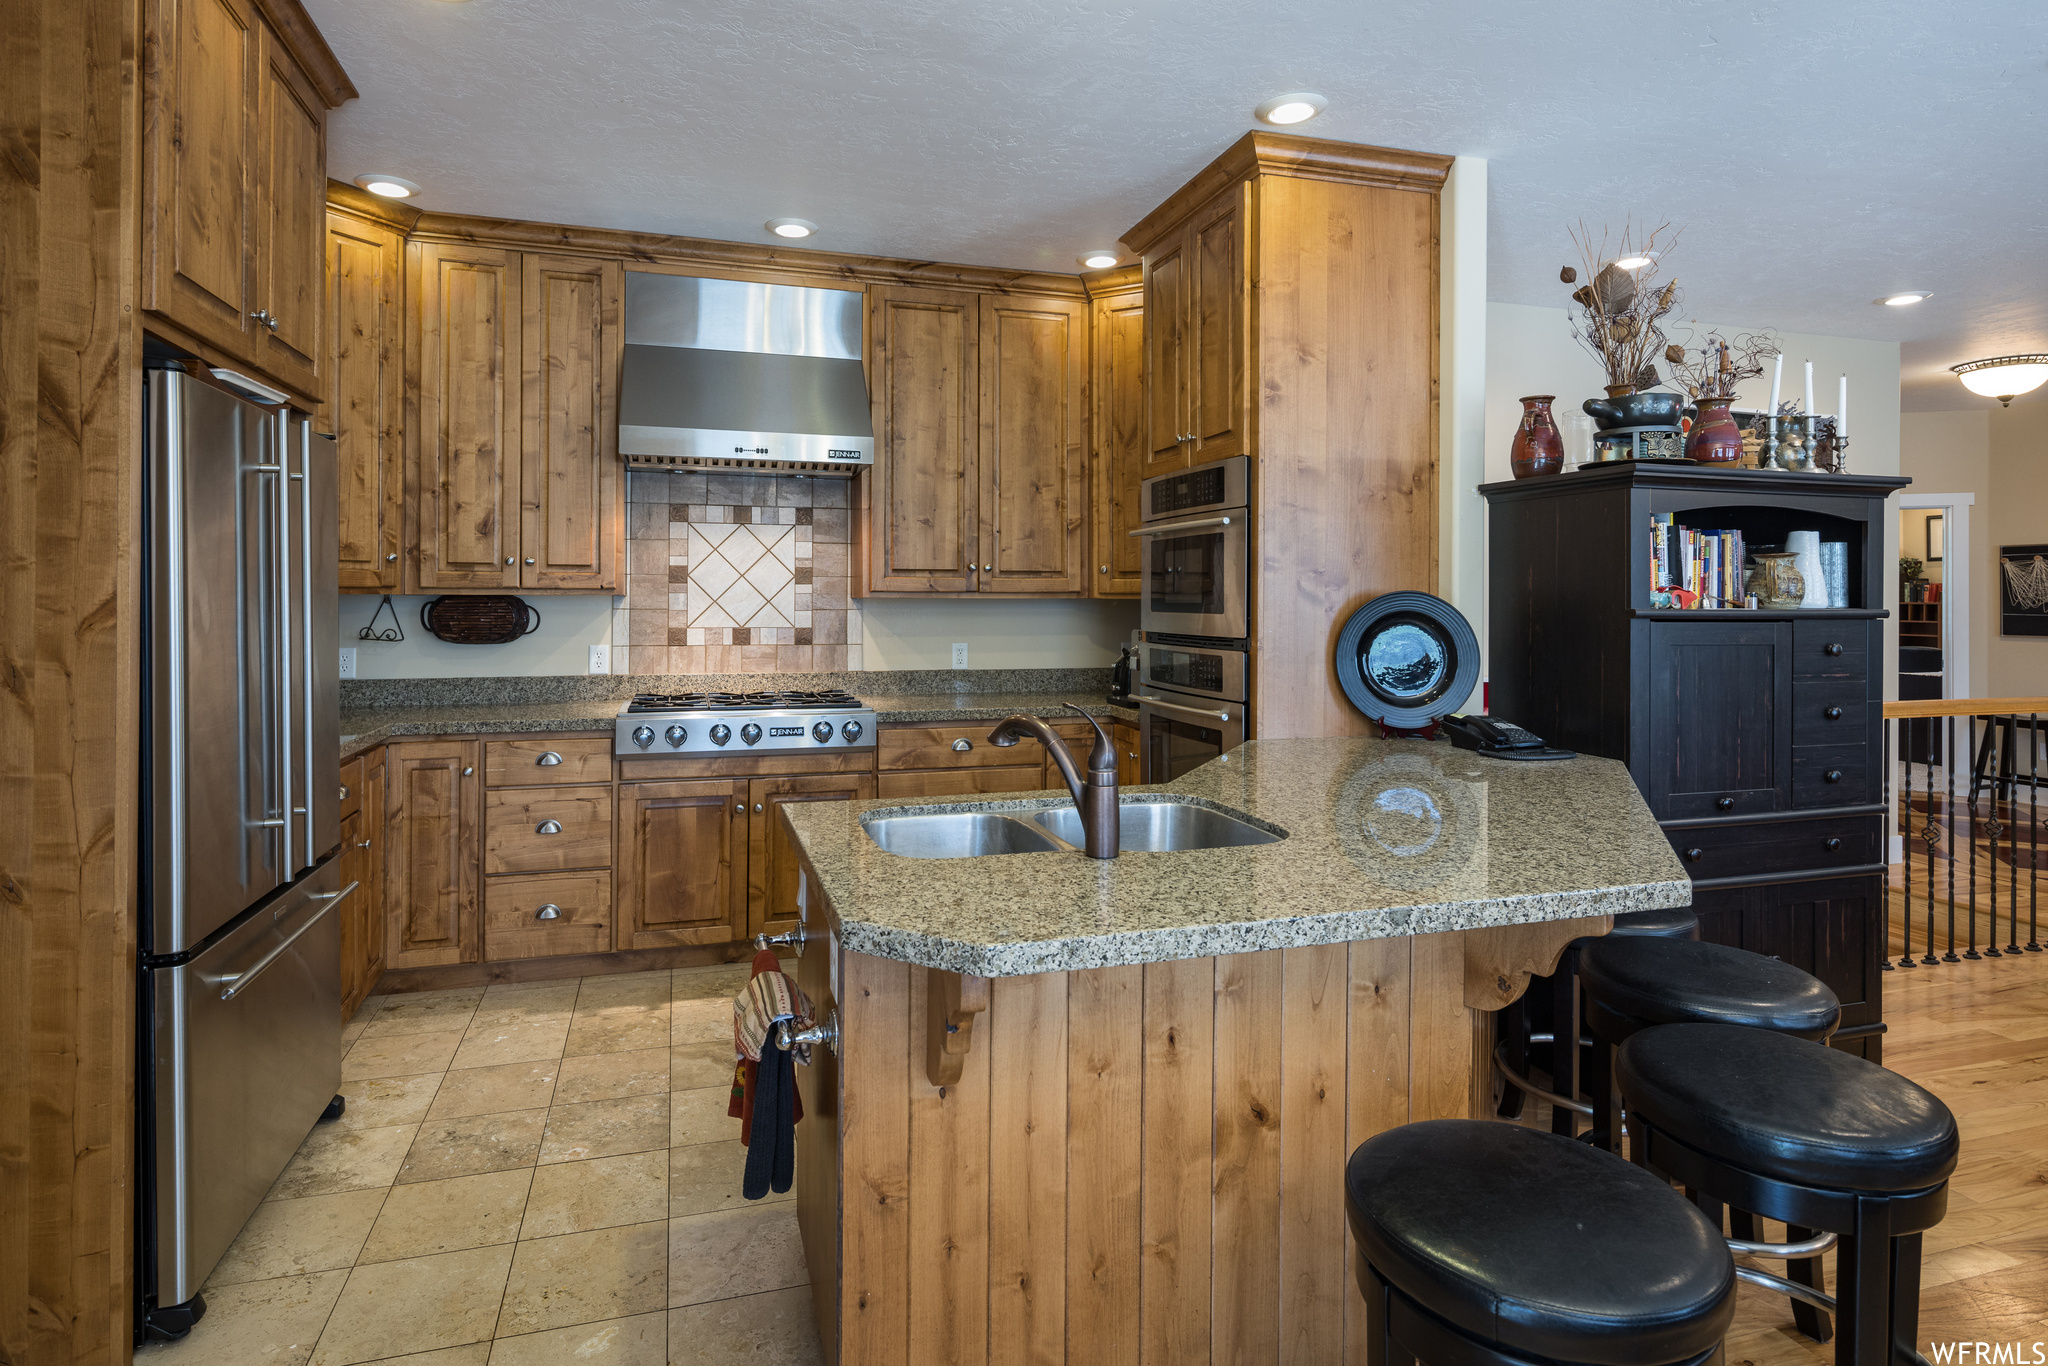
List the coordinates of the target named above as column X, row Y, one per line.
column 959, row 656
column 600, row 659
column 348, row 661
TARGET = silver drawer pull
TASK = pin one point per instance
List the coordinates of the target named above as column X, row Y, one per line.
column 234, row 985
column 548, row 911
column 548, row 828
column 344, row 791
column 467, row 771
column 1161, row 704
column 548, row 759
column 1172, row 527
column 962, row 746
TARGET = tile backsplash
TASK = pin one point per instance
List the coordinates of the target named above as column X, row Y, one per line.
column 736, row 573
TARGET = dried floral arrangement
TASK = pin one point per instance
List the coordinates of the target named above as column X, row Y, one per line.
column 1717, row 365
column 1619, row 310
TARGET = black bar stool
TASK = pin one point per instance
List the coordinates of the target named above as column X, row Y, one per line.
column 1550, row 1007
column 1484, row 1244
column 1813, row 1136
column 1632, row 983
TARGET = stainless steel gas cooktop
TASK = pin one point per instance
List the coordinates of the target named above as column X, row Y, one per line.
column 742, row 722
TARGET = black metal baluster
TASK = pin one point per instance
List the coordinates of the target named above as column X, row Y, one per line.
column 1906, row 918
column 1969, row 847
column 1948, row 814
column 1991, row 734
column 2033, row 832
column 2009, row 768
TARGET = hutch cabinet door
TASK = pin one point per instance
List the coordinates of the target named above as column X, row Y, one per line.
column 572, row 489
column 1216, row 333
column 1032, row 457
column 200, row 173
column 921, row 520
column 433, row 824
column 465, row 376
column 682, row 863
column 1166, row 357
column 365, row 389
column 771, row 858
column 1833, row 928
column 287, row 259
column 1118, row 415
column 1720, row 719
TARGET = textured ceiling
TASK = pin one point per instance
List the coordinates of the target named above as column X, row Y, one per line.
column 1817, row 154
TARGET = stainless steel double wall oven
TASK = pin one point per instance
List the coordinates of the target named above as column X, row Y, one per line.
column 1195, row 615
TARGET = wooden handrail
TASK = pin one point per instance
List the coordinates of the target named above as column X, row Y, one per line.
column 1970, row 706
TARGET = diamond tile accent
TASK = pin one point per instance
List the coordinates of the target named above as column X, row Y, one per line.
column 742, row 574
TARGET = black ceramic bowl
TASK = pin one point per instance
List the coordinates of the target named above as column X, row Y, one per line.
column 1407, row 659
column 1635, row 410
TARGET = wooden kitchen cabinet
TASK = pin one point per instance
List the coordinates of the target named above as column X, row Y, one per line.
column 1032, row 462
column 914, row 760
column 572, row 491
column 1130, row 767
column 432, row 831
column 364, row 387
column 464, row 370
column 362, row 862
column 1197, row 403
column 1117, row 436
column 771, row 857
column 682, row 863
column 234, row 176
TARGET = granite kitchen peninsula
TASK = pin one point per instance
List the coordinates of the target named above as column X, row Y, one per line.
column 1075, row 1099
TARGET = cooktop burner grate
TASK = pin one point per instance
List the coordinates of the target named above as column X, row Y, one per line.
column 784, row 699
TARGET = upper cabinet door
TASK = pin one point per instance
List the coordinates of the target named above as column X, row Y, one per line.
column 200, row 175
column 465, row 373
column 572, row 493
column 365, row 392
column 922, row 535
column 1217, row 343
column 287, row 256
column 1166, row 372
column 1118, row 404
column 1034, row 358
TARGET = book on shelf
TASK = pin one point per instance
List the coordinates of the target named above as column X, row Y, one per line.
column 1694, row 569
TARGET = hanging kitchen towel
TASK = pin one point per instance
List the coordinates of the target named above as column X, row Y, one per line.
column 770, row 997
column 771, row 1151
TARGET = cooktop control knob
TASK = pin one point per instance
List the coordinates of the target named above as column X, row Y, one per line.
column 751, row 733
column 720, row 733
column 851, row 730
column 643, row 736
column 822, row 732
column 675, row 735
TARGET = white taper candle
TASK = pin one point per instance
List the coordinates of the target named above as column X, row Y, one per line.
column 1777, row 377
column 1809, row 388
column 1842, row 409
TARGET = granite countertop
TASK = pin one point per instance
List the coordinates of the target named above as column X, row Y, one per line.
column 1385, row 838
column 367, row 727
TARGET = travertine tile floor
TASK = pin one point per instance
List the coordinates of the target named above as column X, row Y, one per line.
column 526, row 1175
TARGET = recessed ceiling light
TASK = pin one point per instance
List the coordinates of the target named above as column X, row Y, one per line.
column 2004, row 378
column 1901, row 300
column 1299, row 107
column 791, row 227
column 390, row 186
column 1637, row 261
column 1101, row 259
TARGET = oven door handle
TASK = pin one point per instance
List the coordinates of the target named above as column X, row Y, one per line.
column 1179, row 526
column 1164, row 705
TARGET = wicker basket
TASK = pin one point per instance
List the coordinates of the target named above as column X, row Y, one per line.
column 484, row 619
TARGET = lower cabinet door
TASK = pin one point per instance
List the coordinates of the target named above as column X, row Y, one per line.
column 771, row 856
column 432, row 826
column 1832, row 927
column 355, row 867
column 682, row 863
column 547, row 914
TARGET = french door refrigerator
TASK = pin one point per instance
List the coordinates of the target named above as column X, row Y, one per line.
column 240, row 1009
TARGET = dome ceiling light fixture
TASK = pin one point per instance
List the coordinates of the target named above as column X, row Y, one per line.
column 1904, row 299
column 790, row 227
column 2004, row 378
column 389, row 186
column 1102, row 258
column 1299, row 107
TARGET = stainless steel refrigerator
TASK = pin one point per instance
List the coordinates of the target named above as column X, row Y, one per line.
column 240, row 1010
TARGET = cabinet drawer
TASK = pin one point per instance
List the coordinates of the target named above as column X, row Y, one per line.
column 1829, row 711
column 936, row 747
column 1831, row 775
column 1773, row 847
column 582, row 922
column 1831, row 649
column 960, row 782
column 514, row 821
column 532, row 763
column 351, row 788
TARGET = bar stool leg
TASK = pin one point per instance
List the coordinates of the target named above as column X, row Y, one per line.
column 1863, row 1274
column 1605, row 1095
column 1512, row 1024
column 1808, row 1271
column 1905, row 1290
column 1564, row 1051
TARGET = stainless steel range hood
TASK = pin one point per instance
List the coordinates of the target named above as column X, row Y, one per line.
column 727, row 374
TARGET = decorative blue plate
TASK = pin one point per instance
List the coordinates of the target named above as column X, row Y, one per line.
column 1406, row 659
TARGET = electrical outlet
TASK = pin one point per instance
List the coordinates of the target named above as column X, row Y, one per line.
column 959, row 656
column 600, row 659
column 348, row 661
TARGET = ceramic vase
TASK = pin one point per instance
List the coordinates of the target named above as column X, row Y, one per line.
column 1715, row 439
column 1539, row 446
column 1777, row 582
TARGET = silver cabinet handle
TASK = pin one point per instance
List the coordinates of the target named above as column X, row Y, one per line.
column 389, row 558
column 987, row 568
column 548, row 911
column 344, row 792
column 739, row 808
column 467, row 772
column 548, row 759
column 1180, row 526
column 508, row 559
column 362, row 844
column 1165, row 705
column 264, row 317
column 548, row 828
column 961, row 746
column 529, row 559
column 1105, row 569
column 757, row 806
column 233, row 986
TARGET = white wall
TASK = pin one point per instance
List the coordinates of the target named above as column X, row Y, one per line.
column 1462, row 404
column 1027, row 634
column 569, row 626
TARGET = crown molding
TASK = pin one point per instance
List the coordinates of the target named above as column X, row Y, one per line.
column 303, row 36
column 1117, row 280
column 343, row 197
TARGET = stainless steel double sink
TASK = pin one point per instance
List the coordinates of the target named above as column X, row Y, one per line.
column 1148, row 827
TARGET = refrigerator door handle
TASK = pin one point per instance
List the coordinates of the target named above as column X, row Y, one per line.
column 234, row 985
column 286, row 708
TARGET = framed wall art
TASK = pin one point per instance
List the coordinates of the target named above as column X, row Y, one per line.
column 2023, row 590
